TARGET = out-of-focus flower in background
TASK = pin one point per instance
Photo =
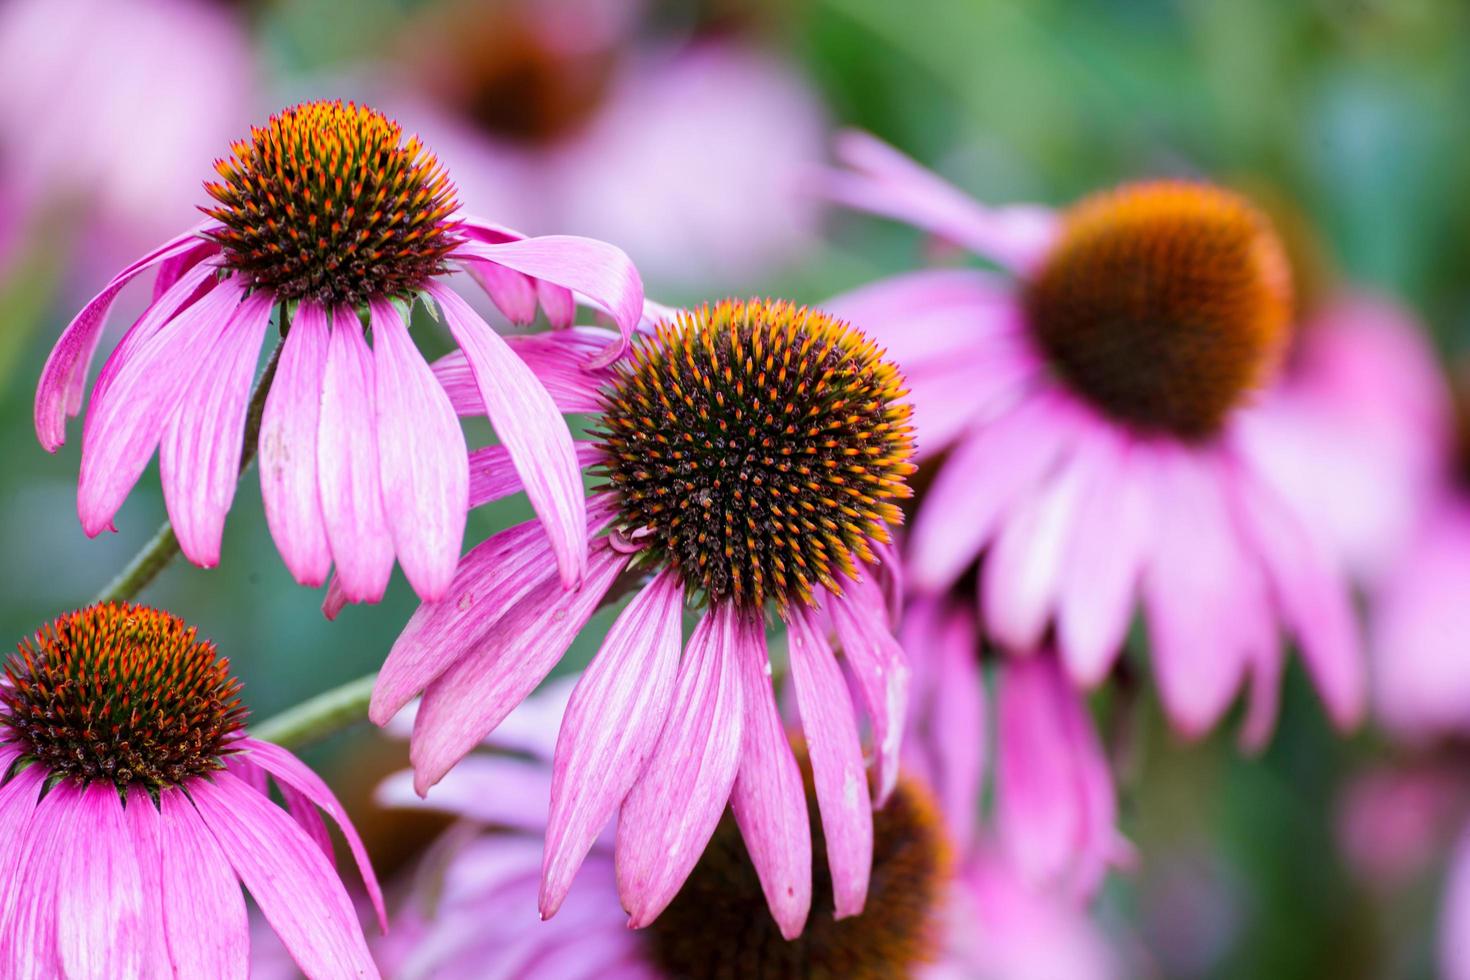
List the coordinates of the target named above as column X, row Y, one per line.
column 559, row 117
column 1093, row 426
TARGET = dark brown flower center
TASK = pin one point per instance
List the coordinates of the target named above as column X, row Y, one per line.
column 1164, row 304
column 122, row 693
column 719, row 927
column 758, row 447
column 328, row 202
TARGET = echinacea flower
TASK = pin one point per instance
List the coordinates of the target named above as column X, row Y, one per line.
column 1090, row 399
column 554, row 115
column 753, row 453
column 478, row 916
column 329, row 217
column 134, row 805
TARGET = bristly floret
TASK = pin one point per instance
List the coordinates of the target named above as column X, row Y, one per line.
column 759, row 447
column 122, row 693
column 328, row 202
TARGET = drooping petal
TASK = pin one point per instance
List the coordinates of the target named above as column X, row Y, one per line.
column 841, row 783
column 479, row 689
column 931, row 315
column 64, row 377
column 204, row 919
column 512, row 293
column 347, row 465
column 128, row 415
column 498, row 790
column 529, row 426
column 558, row 302
column 288, row 450
column 768, row 799
column 1016, row 237
column 421, row 455
column 601, row 272
column 493, row 477
column 296, row 889
column 28, row 920
column 882, row 672
column 199, row 456
column 292, row 772
column 613, row 720
column 101, row 915
column 987, row 472
column 672, row 811
column 172, row 269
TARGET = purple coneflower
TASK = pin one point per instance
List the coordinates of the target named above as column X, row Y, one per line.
column 753, row 453
column 330, row 216
column 134, row 805
column 1089, row 401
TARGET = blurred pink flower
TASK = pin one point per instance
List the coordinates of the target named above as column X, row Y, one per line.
column 134, row 805
column 689, row 156
column 361, row 455
column 117, row 109
column 1355, row 431
column 712, row 487
column 1094, row 449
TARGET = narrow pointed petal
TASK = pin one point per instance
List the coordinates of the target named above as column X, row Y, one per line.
column 889, row 183
column 768, row 798
column 986, row 474
column 673, row 809
column 291, row 771
column 100, row 911
column 127, row 417
column 479, row 689
column 347, row 465
column 841, row 783
column 204, row 919
column 288, row 450
column 611, row 725
column 882, row 671
column 199, row 457
column 64, row 377
column 493, row 476
column 601, row 272
column 558, row 302
column 529, row 426
column 289, row 877
column 512, row 293
column 421, row 455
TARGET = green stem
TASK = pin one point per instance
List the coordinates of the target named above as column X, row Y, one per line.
column 316, row 718
column 164, row 545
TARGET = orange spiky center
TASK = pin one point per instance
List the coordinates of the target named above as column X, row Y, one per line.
column 329, row 202
column 1165, row 304
column 719, row 925
column 122, row 693
column 759, row 447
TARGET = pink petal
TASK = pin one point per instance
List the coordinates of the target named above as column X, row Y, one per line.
column 28, row 926
column 199, row 458
column 492, row 477
column 558, row 302
column 191, row 287
column 673, row 809
column 768, row 797
column 291, row 772
column 171, row 270
column 1112, row 535
column 347, row 465
column 1454, row 921
column 204, row 918
column 889, row 183
column 142, row 833
column 497, row 790
column 933, row 315
column 479, row 689
column 101, row 911
column 599, row 271
column 288, row 449
column 1313, row 598
column 529, row 426
column 289, row 877
column 421, row 454
column 512, row 293
column 986, row 473
column 837, row 762
column 128, row 416
column 882, row 672
column 612, row 722
column 64, row 378
column 558, row 360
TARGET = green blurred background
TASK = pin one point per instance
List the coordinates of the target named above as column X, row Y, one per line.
column 1352, row 111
